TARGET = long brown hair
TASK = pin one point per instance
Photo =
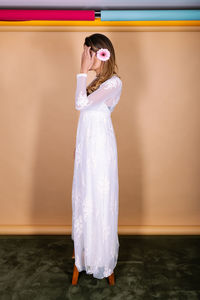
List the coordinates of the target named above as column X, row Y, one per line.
column 98, row 41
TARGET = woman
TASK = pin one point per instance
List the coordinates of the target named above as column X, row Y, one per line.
column 95, row 180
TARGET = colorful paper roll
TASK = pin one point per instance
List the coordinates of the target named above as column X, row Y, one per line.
column 121, row 25
column 46, row 14
column 128, row 4
column 150, row 15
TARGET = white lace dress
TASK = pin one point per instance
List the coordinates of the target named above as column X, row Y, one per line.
column 95, row 181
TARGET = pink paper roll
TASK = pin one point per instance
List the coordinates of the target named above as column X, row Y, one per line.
column 46, row 14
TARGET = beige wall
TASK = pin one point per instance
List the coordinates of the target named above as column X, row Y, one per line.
column 156, row 124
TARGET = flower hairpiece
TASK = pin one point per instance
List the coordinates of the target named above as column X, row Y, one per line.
column 103, row 54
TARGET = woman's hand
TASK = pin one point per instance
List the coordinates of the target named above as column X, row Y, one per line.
column 87, row 60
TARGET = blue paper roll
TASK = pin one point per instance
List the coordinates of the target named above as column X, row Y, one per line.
column 150, row 15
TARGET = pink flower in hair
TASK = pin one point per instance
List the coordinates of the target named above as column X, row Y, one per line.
column 103, row 54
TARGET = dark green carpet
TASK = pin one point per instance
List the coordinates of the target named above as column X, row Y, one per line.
column 40, row 267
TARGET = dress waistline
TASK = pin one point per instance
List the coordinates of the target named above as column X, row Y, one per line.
column 95, row 112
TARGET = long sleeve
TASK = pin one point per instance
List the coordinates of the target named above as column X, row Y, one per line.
column 109, row 91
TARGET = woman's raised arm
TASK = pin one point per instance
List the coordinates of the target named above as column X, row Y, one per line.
column 106, row 90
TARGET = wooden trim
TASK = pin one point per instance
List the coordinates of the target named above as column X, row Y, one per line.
column 101, row 29
column 122, row 230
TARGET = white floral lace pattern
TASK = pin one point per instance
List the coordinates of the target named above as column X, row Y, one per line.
column 103, row 185
column 82, row 99
column 109, row 84
column 95, row 180
column 78, row 226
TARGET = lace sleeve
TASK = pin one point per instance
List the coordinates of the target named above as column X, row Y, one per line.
column 108, row 90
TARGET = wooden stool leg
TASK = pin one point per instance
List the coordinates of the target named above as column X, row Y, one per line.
column 73, row 255
column 75, row 275
column 111, row 279
column 75, row 272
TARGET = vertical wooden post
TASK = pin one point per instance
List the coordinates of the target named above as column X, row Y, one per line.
column 75, row 275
